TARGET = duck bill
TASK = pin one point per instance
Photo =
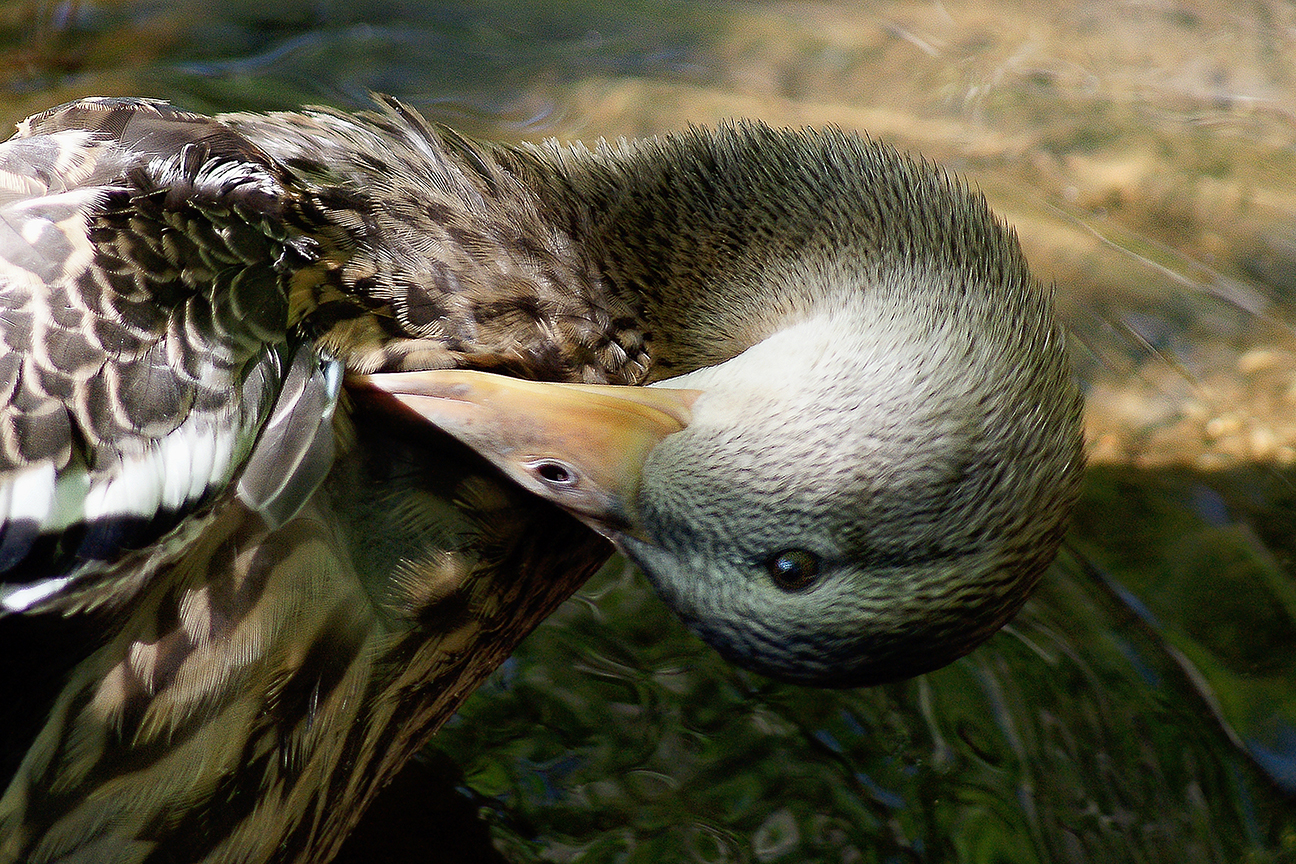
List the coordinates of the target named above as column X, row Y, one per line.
column 581, row 446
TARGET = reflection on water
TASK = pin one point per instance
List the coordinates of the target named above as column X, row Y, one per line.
column 1143, row 705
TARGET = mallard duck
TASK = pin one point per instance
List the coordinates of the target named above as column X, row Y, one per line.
column 307, row 417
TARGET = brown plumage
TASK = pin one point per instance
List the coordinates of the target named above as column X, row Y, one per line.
column 217, row 454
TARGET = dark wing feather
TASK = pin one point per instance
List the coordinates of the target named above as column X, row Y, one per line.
column 144, row 342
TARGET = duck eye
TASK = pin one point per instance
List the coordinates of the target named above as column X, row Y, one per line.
column 554, row 472
column 793, row 569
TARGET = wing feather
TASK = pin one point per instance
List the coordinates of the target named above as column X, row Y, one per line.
column 144, row 345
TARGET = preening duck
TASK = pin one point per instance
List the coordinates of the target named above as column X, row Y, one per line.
column 807, row 384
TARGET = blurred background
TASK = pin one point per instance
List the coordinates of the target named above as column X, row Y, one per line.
column 1142, row 707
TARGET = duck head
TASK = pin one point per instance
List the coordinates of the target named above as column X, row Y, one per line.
column 870, row 456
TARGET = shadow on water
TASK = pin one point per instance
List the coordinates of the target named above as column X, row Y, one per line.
column 1143, row 705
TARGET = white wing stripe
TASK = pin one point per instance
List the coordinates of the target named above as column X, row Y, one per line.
column 21, row 599
column 31, row 494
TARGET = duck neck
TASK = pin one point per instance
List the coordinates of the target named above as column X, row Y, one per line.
column 719, row 239
column 687, row 237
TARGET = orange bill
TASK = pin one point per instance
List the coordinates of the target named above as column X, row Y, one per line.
column 581, row 446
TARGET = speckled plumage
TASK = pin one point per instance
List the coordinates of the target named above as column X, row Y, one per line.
column 306, row 580
column 175, row 302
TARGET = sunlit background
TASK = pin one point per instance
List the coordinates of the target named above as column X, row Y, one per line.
column 1142, row 707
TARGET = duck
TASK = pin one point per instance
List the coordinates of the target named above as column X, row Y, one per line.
column 310, row 417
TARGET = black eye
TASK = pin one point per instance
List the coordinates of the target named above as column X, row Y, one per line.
column 553, row 472
column 793, row 569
